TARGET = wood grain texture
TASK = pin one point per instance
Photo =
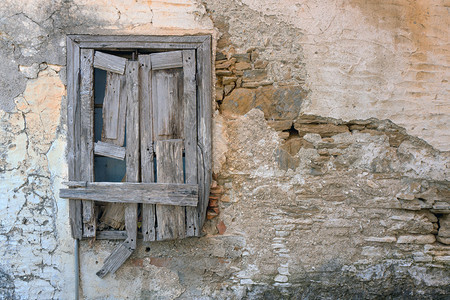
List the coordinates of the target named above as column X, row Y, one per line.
column 166, row 39
column 74, row 184
column 73, row 126
column 111, row 235
column 116, row 259
column 110, row 63
column 151, row 193
column 124, row 250
column 87, row 135
column 109, row 150
column 190, row 134
column 204, row 126
column 167, row 95
column 139, row 42
column 114, row 109
column 166, row 60
column 169, row 168
column 147, row 151
column 133, row 148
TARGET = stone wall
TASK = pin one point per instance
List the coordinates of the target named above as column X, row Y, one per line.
column 329, row 152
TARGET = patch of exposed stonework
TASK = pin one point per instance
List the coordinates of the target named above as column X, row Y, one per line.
column 359, row 209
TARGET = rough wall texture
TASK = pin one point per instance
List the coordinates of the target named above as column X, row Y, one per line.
column 329, row 134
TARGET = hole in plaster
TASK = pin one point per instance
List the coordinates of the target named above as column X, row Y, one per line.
column 293, row 133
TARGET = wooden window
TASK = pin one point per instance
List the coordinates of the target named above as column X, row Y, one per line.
column 153, row 119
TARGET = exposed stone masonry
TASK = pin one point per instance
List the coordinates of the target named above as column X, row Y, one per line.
column 350, row 193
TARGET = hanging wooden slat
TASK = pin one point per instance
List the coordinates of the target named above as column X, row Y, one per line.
column 113, row 134
column 109, row 150
column 73, row 142
column 124, row 250
column 133, row 149
column 166, row 60
column 108, row 62
column 147, row 152
column 190, row 134
column 114, row 109
column 87, row 136
column 169, row 169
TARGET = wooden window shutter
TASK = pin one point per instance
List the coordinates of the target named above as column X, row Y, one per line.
column 156, row 117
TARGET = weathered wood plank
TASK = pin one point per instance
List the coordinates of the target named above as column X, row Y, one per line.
column 166, row 60
column 204, row 126
column 190, row 134
column 166, row 39
column 146, row 133
column 117, row 46
column 169, row 168
column 109, row 150
column 132, row 133
column 87, row 136
column 116, row 259
column 151, row 193
column 111, row 235
column 74, row 184
column 139, row 42
column 114, row 109
column 124, row 250
column 167, row 92
column 108, row 62
column 73, row 126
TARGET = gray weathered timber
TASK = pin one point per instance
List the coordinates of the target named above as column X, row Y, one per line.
column 204, row 126
column 121, row 115
column 190, row 134
column 167, row 39
column 124, row 250
column 117, row 46
column 108, row 62
column 111, row 235
column 151, row 193
column 139, row 42
column 114, row 109
column 169, row 168
column 133, row 167
column 73, row 125
column 167, row 89
column 87, row 136
column 116, row 259
column 109, row 150
column 166, row 60
column 74, row 184
column 146, row 133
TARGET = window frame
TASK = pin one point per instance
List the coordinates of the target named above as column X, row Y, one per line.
column 75, row 45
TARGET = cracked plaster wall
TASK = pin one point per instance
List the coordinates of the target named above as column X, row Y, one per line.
column 348, row 211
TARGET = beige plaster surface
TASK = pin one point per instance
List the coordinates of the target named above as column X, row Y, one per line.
column 383, row 59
